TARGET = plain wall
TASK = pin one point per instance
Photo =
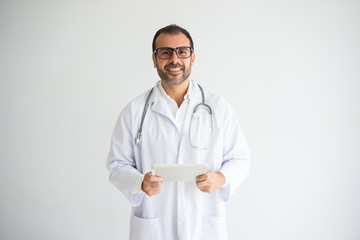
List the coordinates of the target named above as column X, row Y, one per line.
column 290, row 69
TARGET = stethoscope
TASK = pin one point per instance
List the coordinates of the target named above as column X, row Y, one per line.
column 138, row 138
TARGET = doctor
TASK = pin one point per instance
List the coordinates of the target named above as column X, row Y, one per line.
column 177, row 210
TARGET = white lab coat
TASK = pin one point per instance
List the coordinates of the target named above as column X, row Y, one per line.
column 181, row 211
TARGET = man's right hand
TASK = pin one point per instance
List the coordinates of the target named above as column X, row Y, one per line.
column 151, row 184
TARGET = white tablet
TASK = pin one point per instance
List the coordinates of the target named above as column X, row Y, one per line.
column 178, row 172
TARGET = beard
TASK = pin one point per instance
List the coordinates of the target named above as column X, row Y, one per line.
column 174, row 80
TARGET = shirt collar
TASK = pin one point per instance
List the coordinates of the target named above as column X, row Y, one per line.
column 186, row 96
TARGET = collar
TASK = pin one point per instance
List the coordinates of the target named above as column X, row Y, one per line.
column 186, row 96
column 158, row 99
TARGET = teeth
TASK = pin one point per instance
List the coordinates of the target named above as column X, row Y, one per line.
column 174, row 69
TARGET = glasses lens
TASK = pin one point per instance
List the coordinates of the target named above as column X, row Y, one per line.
column 164, row 52
column 181, row 52
column 201, row 129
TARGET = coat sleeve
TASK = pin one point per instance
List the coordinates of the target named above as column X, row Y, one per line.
column 121, row 160
column 236, row 155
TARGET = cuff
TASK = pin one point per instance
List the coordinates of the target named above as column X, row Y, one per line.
column 226, row 180
column 224, row 191
column 138, row 184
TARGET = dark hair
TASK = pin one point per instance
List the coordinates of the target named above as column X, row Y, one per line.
column 172, row 30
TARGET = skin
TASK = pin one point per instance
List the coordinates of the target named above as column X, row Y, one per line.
column 176, row 83
column 151, row 184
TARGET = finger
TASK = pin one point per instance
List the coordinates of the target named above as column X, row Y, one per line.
column 204, row 189
column 155, row 178
column 149, row 177
column 155, row 184
column 156, row 192
column 201, row 184
column 202, row 177
column 153, row 191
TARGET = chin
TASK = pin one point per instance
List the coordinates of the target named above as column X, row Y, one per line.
column 174, row 82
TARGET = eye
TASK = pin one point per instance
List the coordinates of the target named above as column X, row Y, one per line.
column 183, row 52
column 162, row 53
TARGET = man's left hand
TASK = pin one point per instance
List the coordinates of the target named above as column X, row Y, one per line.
column 210, row 182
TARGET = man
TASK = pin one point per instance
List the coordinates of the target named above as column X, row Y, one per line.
column 184, row 210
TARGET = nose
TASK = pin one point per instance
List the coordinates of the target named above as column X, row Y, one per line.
column 174, row 58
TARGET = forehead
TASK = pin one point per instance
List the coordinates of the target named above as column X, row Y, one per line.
column 173, row 40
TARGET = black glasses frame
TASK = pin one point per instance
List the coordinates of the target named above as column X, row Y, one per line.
column 172, row 51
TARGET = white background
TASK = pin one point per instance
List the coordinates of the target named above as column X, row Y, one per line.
column 290, row 69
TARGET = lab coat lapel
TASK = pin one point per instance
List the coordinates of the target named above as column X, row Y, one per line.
column 195, row 99
column 159, row 104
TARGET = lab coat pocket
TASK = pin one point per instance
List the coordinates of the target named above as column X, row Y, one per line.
column 141, row 228
column 213, row 228
column 200, row 137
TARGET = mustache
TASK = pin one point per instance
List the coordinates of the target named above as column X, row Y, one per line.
column 172, row 65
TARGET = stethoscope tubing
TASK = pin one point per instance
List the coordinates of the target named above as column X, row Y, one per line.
column 138, row 138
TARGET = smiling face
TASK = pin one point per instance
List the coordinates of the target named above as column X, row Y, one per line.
column 173, row 71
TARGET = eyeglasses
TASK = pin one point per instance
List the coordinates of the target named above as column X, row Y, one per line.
column 166, row 52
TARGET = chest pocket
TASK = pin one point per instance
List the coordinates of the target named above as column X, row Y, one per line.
column 201, row 129
column 212, row 155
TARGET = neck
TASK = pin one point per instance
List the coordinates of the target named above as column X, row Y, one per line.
column 176, row 92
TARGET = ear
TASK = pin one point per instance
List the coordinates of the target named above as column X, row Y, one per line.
column 154, row 60
column 192, row 59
